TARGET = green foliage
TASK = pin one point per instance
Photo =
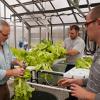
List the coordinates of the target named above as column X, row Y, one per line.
column 27, row 74
column 57, row 50
column 41, row 57
column 23, row 91
column 88, row 59
column 84, row 62
column 19, row 53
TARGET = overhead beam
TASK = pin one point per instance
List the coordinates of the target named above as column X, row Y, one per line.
column 9, row 7
column 78, row 9
column 57, row 10
column 73, row 12
column 41, row 10
column 27, row 11
column 66, row 24
column 88, row 4
column 27, row 3
column 18, row 5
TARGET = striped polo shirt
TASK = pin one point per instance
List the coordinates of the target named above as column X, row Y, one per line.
column 93, row 82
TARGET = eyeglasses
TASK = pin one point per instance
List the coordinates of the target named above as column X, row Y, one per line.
column 88, row 23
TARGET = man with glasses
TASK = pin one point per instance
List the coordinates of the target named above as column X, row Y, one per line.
column 75, row 47
column 6, row 59
column 92, row 90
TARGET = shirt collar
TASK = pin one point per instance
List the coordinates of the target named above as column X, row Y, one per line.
column 98, row 50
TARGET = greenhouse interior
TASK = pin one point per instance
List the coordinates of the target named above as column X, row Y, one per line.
column 49, row 50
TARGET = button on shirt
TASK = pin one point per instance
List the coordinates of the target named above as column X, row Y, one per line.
column 6, row 58
column 77, row 44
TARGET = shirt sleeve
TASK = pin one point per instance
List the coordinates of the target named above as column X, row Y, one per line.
column 12, row 56
column 97, row 96
column 80, row 46
column 2, row 74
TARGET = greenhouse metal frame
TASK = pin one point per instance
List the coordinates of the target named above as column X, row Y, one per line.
column 48, row 13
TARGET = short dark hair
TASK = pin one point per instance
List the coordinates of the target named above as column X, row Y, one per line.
column 75, row 27
column 95, row 12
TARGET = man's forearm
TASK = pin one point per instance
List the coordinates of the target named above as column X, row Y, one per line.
column 72, row 52
column 91, row 96
column 9, row 72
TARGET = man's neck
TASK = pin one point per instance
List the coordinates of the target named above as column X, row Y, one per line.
column 74, row 38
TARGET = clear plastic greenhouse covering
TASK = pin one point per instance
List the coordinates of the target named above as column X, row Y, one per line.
column 49, row 12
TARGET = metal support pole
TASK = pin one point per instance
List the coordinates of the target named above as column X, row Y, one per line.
column 23, row 31
column 4, row 12
column 64, row 32
column 51, row 33
column 48, row 35
column 83, row 32
column 40, row 34
column 47, row 32
column 15, row 31
column 29, row 37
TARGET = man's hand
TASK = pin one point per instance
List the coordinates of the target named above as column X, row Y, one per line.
column 81, row 93
column 67, row 82
column 19, row 63
column 15, row 72
column 18, row 72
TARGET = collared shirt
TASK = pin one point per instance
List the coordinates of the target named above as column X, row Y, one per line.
column 77, row 44
column 93, row 82
column 6, row 58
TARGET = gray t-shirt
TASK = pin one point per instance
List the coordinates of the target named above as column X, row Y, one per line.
column 77, row 44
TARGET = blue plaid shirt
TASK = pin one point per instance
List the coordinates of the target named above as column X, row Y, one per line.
column 6, row 58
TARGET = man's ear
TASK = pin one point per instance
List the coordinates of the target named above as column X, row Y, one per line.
column 0, row 26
